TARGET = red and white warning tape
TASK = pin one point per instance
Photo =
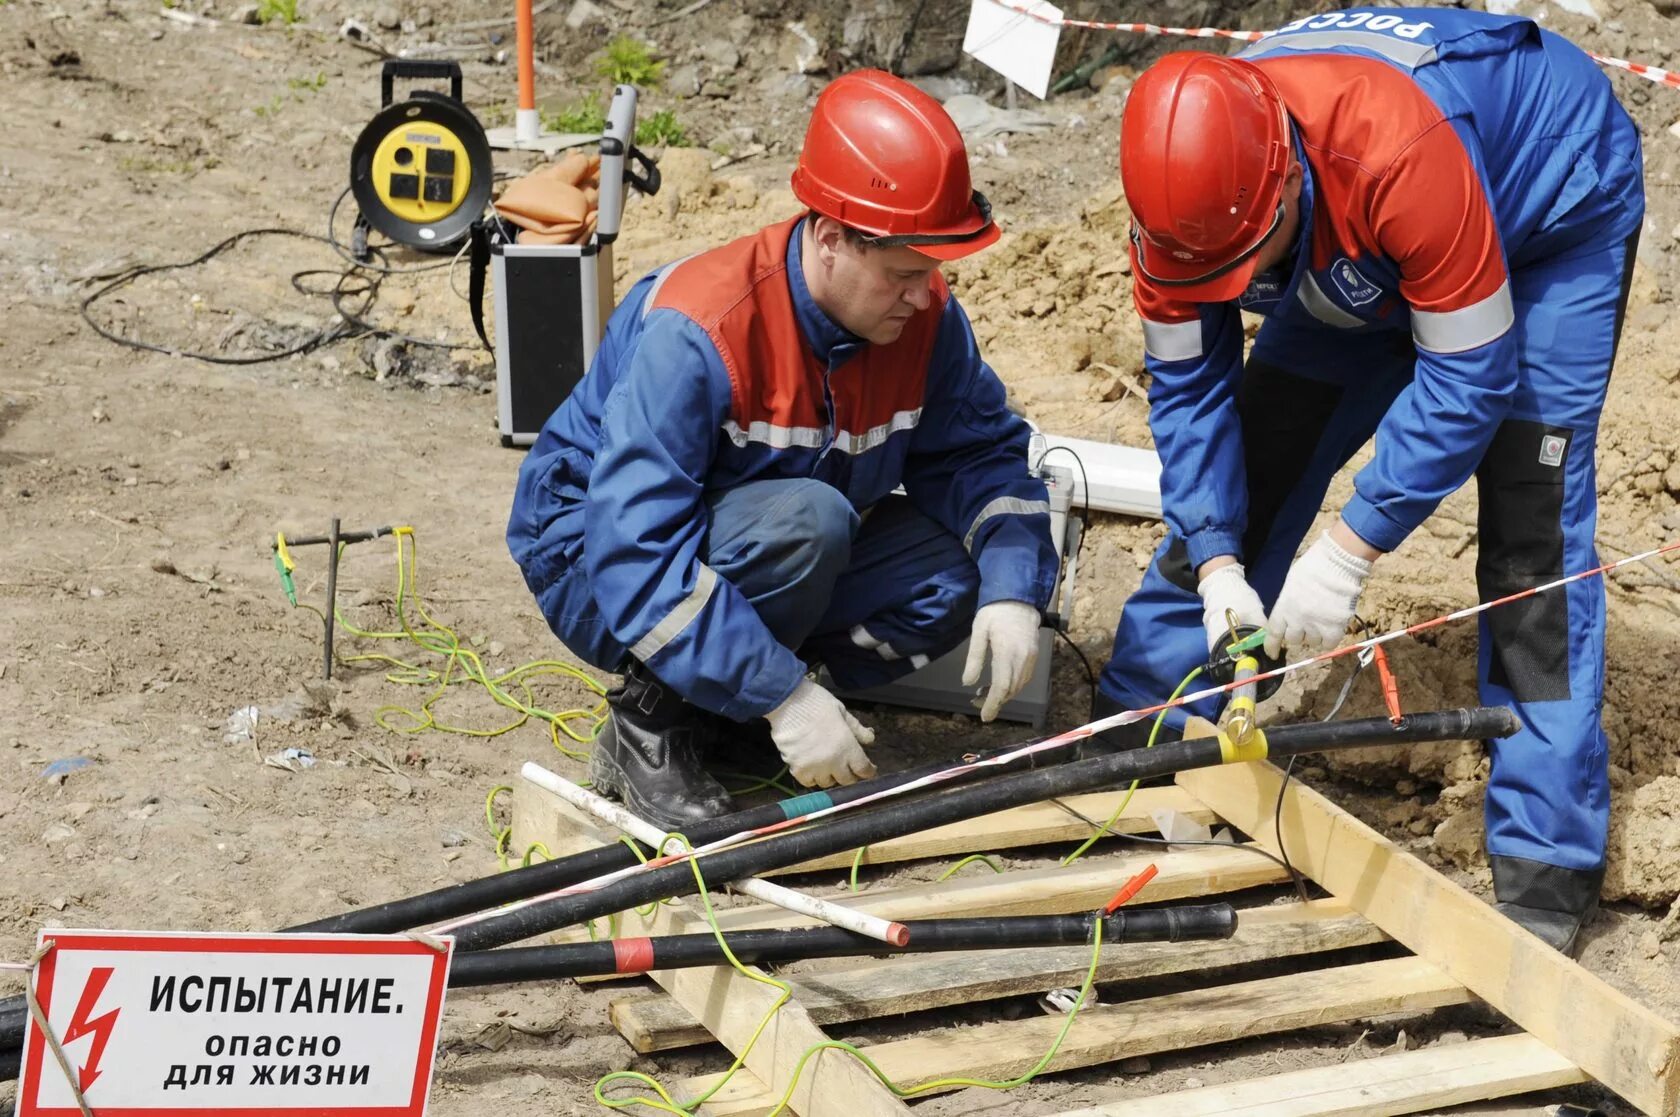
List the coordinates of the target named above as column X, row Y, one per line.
column 1650, row 73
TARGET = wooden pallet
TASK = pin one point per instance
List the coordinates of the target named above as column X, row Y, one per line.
column 1574, row 1027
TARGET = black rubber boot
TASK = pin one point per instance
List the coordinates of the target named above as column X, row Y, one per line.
column 1123, row 738
column 650, row 753
column 1553, row 903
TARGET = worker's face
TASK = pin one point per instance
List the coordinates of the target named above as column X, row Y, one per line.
column 1281, row 243
column 870, row 291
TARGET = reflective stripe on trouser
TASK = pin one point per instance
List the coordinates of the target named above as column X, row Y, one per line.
column 1548, row 792
column 910, row 591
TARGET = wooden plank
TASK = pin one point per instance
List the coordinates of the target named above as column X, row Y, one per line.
column 1414, row 1082
column 1172, row 1022
column 1035, row 824
column 913, row 983
column 542, row 816
column 1623, row 1044
column 1182, row 873
column 831, row 1084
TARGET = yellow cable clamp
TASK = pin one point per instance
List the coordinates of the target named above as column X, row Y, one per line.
column 1251, row 746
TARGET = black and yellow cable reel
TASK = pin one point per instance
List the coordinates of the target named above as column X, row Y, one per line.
column 420, row 171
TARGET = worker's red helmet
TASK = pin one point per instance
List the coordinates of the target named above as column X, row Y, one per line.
column 885, row 158
column 1204, row 147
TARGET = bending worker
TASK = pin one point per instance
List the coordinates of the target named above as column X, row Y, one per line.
column 1436, row 212
column 709, row 513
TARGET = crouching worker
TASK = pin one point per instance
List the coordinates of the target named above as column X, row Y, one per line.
column 709, row 511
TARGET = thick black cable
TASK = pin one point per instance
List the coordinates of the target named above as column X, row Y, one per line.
column 1179, row 923
column 849, row 831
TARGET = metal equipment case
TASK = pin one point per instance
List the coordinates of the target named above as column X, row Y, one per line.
column 552, row 300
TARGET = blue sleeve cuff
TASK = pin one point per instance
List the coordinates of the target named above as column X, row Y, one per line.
column 767, row 691
column 1210, row 543
column 1375, row 527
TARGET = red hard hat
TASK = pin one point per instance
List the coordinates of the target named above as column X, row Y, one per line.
column 885, row 158
column 1204, row 147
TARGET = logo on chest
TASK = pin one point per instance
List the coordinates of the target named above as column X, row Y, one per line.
column 1265, row 287
column 1354, row 288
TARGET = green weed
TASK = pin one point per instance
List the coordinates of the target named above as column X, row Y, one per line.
column 629, row 62
column 270, row 108
column 282, row 11
column 662, row 129
column 587, row 116
column 308, row 85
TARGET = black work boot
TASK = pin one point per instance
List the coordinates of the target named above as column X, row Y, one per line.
column 649, row 753
column 1122, row 738
column 1553, row 903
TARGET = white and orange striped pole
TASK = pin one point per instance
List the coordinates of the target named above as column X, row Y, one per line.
column 526, row 123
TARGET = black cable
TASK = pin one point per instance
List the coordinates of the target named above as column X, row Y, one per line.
column 361, row 280
column 1090, row 675
column 124, row 278
column 1095, row 825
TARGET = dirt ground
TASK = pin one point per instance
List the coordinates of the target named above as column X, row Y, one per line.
column 139, row 492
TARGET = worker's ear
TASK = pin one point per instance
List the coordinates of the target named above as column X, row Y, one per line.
column 1292, row 180
column 828, row 235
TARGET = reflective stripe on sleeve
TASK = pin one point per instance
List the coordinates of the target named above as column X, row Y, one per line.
column 1004, row 506
column 1455, row 331
column 677, row 619
column 1180, row 341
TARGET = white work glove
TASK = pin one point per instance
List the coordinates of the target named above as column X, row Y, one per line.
column 819, row 738
column 1318, row 598
column 1227, row 589
column 1008, row 631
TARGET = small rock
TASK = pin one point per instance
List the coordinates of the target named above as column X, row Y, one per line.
column 162, row 565
column 1446, row 1038
column 58, row 903
column 452, row 838
column 424, row 17
column 583, row 13
column 95, row 591
column 78, row 810
column 388, row 18
column 496, row 647
column 130, row 481
column 1402, row 1042
column 58, row 832
column 99, row 415
column 1405, row 787
column 1193, row 1083
column 721, row 54
column 246, row 13
column 1137, row 1064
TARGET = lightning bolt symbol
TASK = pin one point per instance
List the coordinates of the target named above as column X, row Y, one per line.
column 99, row 1029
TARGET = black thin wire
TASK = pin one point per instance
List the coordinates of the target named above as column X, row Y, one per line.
column 1095, row 825
column 361, row 280
column 1288, row 770
column 1084, row 529
column 1090, row 675
column 124, row 278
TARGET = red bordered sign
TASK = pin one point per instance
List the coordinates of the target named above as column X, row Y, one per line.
column 180, row 1025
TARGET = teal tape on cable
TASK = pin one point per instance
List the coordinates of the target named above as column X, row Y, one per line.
column 801, row 805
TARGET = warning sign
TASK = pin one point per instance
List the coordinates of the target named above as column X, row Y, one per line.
column 248, row 1025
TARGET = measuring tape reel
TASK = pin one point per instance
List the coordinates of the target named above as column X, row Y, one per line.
column 420, row 170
